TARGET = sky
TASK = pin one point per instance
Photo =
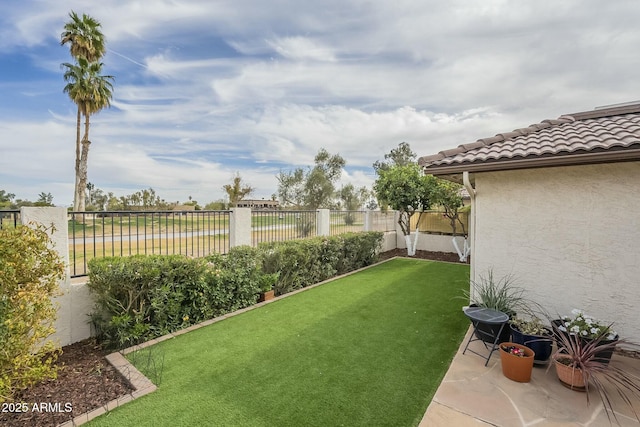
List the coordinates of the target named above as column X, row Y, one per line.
column 205, row 89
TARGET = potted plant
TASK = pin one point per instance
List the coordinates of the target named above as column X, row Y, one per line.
column 267, row 282
column 579, row 367
column 587, row 328
column 500, row 294
column 517, row 361
column 534, row 334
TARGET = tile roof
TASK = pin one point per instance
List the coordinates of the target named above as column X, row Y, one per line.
column 601, row 135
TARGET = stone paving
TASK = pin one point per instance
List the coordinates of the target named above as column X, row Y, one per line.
column 474, row 395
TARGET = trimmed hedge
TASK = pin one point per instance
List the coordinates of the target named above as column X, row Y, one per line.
column 142, row 297
column 304, row 262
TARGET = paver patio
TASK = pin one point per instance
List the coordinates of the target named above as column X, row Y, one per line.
column 474, row 395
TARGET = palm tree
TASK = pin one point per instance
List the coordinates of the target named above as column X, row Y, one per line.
column 84, row 36
column 91, row 92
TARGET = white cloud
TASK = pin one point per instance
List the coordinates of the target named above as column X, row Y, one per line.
column 359, row 136
column 301, row 48
column 204, row 89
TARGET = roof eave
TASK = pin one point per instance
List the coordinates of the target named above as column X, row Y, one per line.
column 537, row 162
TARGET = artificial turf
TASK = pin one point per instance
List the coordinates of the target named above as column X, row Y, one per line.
column 367, row 349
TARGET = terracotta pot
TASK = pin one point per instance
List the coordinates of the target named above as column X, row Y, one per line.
column 514, row 367
column 266, row 296
column 569, row 376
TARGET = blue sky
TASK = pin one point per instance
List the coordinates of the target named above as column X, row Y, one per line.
column 205, row 89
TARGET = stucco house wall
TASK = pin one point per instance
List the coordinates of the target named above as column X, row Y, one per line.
column 570, row 235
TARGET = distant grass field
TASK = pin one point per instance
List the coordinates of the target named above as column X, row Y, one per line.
column 199, row 246
column 369, row 349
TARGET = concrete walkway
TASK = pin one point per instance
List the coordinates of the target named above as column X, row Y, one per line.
column 474, row 395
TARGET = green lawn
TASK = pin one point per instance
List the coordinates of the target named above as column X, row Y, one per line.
column 369, row 349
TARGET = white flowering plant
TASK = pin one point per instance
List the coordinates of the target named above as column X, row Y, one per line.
column 585, row 326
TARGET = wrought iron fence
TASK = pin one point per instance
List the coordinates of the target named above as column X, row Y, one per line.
column 346, row 222
column 274, row 226
column 191, row 233
column 123, row 233
column 9, row 219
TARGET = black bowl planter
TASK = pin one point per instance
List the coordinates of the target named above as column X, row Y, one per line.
column 542, row 345
column 603, row 356
column 485, row 330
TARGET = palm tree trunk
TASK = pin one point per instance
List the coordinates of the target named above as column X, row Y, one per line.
column 76, row 189
column 84, row 156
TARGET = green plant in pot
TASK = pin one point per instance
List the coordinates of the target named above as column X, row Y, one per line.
column 579, row 367
column 588, row 328
column 266, row 283
column 533, row 333
column 501, row 294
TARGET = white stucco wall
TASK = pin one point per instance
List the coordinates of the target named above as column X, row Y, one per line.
column 570, row 235
column 388, row 241
column 431, row 242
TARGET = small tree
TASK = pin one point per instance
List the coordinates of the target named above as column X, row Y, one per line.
column 291, row 188
column 217, row 205
column 6, row 199
column 319, row 186
column 237, row 190
column 449, row 198
column 314, row 188
column 352, row 200
column 407, row 190
column 44, row 199
column 401, row 156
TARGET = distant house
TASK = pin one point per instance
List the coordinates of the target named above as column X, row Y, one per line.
column 184, row 208
column 258, row 204
column 556, row 204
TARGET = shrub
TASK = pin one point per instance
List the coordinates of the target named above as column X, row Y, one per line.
column 29, row 274
column 358, row 250
column 304, row 226
column 349, row 218
column 301, row 263
column 142, row 297
column 233, row 281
